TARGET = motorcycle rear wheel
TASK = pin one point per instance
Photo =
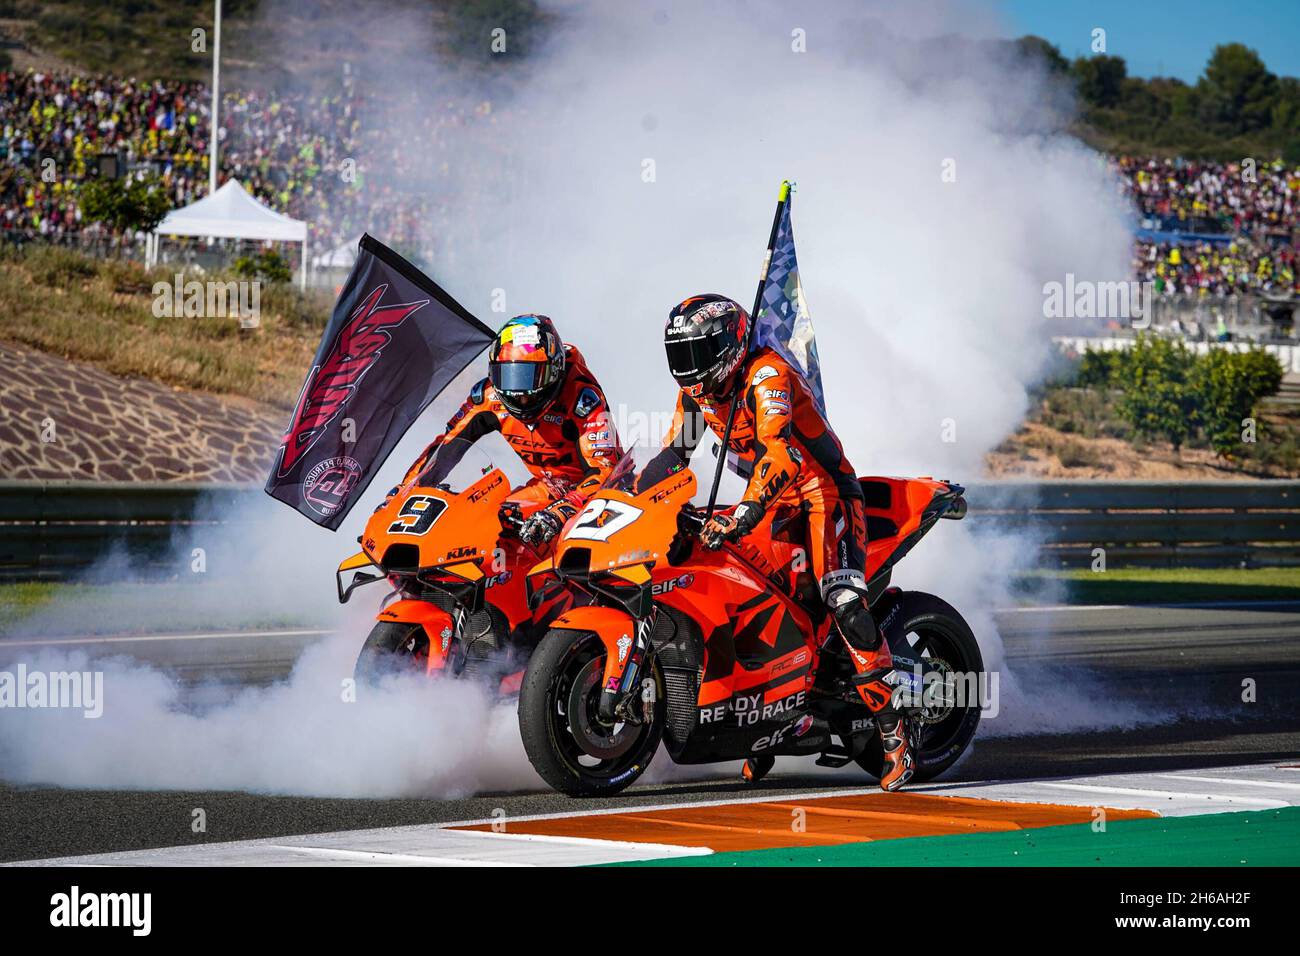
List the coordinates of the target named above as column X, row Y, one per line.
column 565, row 742
column 936, row 630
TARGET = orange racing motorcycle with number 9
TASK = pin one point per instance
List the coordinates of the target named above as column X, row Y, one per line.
column 725, row 655
column 449, row 548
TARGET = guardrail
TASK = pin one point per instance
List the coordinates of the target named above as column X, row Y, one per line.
column 1148, row 523
column 55, row 530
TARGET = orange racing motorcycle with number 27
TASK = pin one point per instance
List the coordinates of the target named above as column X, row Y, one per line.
column 724, row 655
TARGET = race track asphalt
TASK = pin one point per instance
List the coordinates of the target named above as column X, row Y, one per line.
column 1189, row 662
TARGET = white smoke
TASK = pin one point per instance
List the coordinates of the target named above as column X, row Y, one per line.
column 309, row 734
column 634, row 161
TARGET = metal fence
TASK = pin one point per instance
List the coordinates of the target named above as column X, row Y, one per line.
column 56, row 530
column 1148, row 523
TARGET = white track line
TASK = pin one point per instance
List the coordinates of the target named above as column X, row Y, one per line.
column 371, row 858
column 1025, row 609
column 1036, row 608
column 1228, row 780
column 122, row 639
column 419, row 845
column 1176, row 605
column 1166, row 794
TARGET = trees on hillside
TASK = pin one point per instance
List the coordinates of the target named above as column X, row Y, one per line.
column 1236, row 108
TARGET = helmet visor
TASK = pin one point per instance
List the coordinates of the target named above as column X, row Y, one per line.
column 690, row 359
column 520, row 376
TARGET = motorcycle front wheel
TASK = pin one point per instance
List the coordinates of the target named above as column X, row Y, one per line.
column 392, row 648
column 566, row 742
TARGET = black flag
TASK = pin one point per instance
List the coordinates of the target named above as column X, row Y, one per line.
column 394, row 342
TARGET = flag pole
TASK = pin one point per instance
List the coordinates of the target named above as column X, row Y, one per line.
column 216, row 96
column 782, row 200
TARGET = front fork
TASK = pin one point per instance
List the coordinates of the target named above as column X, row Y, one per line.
column 627, row 695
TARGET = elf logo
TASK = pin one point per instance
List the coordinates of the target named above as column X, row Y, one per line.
column 76, row 909
column 798, row 728
column 682, row 581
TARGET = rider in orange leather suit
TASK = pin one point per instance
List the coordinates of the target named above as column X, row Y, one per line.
column 792, row 456
column 550, row 409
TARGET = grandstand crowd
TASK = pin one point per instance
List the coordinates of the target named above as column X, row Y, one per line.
column 1220, row 229
column 304, row 155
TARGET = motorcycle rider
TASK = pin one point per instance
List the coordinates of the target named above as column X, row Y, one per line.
column 795, row 459
column 542, row 398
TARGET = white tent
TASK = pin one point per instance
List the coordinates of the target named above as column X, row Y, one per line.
column 231, row 213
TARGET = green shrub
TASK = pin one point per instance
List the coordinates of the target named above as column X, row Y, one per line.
column 1099, row 369
column 295, row 308
column 1157, row 400
column 1227, row 386
column 1169, row 393
column 267, row 264
column 125, row 205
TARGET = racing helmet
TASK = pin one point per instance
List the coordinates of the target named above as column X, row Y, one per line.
column 705, row 338
column 526, row 365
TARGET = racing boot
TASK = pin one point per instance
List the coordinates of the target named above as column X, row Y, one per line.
column 894, row 740
column 868, row 649
column 756, row 768
column 874, row 665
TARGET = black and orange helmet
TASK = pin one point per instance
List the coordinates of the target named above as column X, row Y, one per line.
column 705, row 338
column 526, row 365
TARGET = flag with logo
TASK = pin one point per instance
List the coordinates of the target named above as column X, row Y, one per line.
column 781, row 320
column 394, row 342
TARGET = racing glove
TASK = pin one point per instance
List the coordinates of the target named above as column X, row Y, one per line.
column 743, row 519
column 546, row 523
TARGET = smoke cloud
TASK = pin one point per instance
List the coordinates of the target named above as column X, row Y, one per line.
column 632, row 162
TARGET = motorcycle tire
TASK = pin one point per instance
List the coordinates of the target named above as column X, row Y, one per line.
column 389, row 649
column 565, row 742
column 936, row 624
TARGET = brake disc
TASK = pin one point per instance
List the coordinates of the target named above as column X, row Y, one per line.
column 933, row 714
column 595, row 738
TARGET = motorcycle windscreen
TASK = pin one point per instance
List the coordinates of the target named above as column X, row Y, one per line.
column 455, row 465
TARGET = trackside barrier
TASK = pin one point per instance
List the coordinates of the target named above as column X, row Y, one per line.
column 1147, row 523
column 58, row 530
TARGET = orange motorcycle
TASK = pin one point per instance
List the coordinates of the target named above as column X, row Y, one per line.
column 729, row 655
column 447, row 543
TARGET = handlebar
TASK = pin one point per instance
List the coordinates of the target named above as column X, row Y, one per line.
column 690, row 520
column 511, row 516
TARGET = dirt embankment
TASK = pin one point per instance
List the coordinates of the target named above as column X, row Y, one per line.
column 68, row 420
column 1039, row 450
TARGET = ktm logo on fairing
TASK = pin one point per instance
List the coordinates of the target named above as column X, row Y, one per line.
column 356, row 349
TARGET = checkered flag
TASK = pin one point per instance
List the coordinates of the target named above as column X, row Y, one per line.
column 782, row 322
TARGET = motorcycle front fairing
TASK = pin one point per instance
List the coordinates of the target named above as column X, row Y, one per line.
column 439, row 628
